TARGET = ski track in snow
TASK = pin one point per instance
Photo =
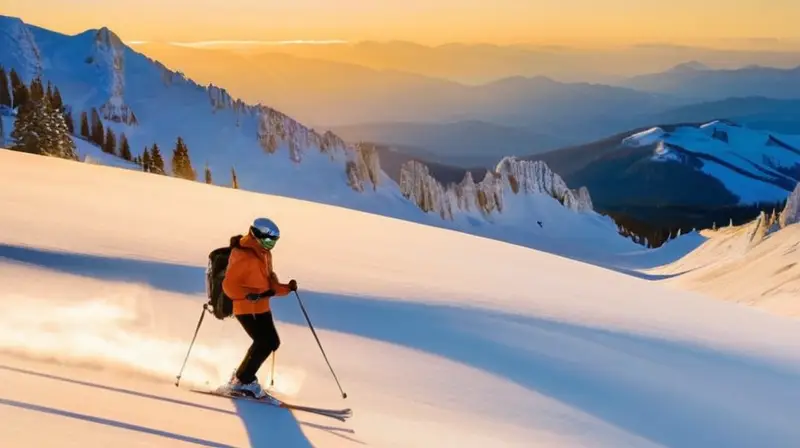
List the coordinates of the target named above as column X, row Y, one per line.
column 439, row 338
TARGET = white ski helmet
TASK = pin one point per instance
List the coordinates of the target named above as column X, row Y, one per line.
column 266, row 232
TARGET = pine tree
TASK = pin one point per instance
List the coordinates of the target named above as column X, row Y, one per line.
column 2, row 134
column 65, row 144
column 156, row 160
column 98, row 132
column 208, row 175
column 58, row 102
column 26, row 135
column 125, row 148
column 40, row 129
column 49, row 93
column 147, row 161
column 85, row 133
column 234, row 179
column 18, row 89
column 110, row 145
column 69, row 121
column 37, row 91
column 181, row 163
column 5, row 94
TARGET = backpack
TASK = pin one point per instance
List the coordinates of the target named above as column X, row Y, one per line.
column 221, row 305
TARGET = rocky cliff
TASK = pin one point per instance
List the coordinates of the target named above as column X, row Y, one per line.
column 109, row 56
column 791, row 212
column 511, row 176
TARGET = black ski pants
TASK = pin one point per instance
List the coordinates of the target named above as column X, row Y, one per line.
column 261, row 329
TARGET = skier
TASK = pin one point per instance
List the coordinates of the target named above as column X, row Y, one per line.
column 250, row 282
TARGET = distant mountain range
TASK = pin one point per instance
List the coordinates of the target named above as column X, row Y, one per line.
column 768, row 114
column 696, row 82
column 466, row 125
column 481, row 144
column 484, row 63
column 464, row 143
column 330, row 95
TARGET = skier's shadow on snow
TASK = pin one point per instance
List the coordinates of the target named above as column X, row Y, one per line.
column 265, row 426
column 165, row 276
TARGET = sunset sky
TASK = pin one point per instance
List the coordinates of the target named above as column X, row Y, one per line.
column 588, row 22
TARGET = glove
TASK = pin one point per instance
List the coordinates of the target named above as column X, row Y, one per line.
column 253, row 296
column 293, row 285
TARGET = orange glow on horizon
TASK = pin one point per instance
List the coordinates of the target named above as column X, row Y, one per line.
column 430, row 22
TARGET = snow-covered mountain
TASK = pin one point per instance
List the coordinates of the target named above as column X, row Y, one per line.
column 754, row 165
column 714, row 164
column 269, row 151
column 655, row 180
column 152, row 104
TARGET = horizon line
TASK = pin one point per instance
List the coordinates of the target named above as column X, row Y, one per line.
column 214, row 43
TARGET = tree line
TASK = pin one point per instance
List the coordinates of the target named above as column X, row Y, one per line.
column 658, row 225
column 44, row 125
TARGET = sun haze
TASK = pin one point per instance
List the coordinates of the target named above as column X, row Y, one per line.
column 577, row 22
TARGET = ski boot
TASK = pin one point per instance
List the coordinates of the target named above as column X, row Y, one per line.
column 235, row 387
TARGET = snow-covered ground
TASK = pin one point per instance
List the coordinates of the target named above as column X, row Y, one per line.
column 440, row 338
column 734, row 264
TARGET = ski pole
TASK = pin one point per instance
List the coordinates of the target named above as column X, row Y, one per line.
column 202, row 315
column 344, row 395
column 272, row 375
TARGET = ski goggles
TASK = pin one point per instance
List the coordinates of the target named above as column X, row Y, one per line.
column 267, row 240
column 267, row 243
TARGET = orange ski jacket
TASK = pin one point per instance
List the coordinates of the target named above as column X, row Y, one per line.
column 250, row 272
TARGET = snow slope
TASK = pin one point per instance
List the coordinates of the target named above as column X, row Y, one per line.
column 440, row 338
column 756, row 166
column 726, row 264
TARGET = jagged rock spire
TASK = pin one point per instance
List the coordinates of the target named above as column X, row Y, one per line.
column 488, row 196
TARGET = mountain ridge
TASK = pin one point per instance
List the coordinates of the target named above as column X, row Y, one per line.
column 698, row 175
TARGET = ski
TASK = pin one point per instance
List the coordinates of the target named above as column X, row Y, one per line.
column 338, row 414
